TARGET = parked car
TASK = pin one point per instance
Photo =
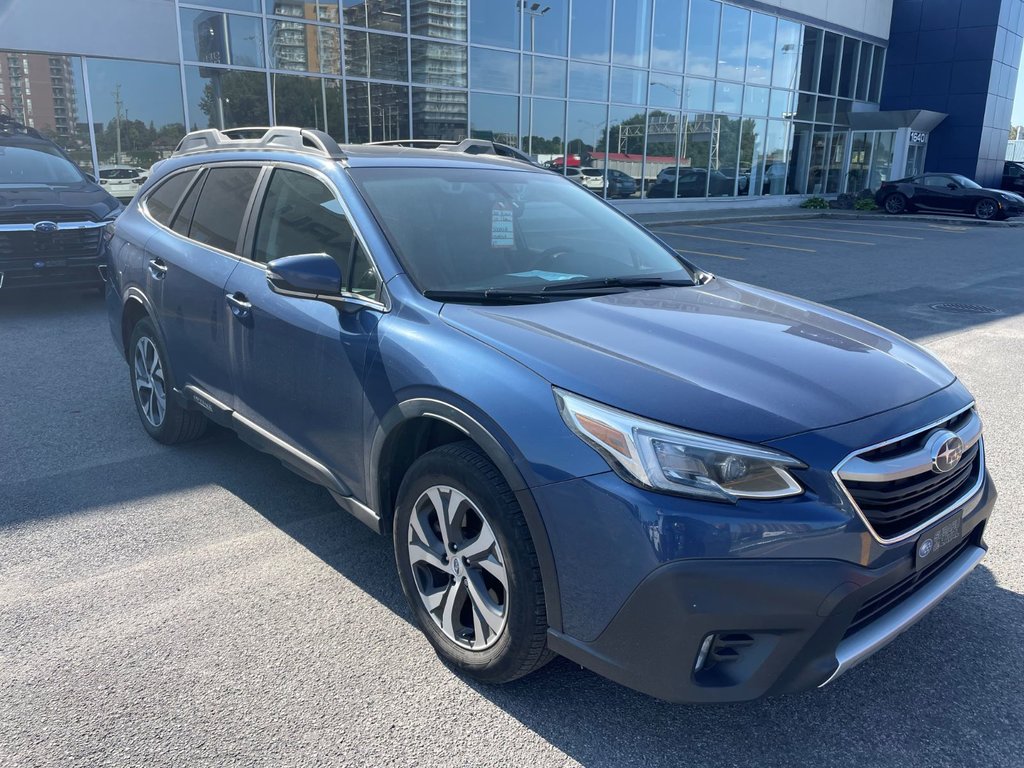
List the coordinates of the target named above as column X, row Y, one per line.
column 947, row 193
column 693, row 182
column 52, row 216
column 617, row 183
column 122, row 181
column 1013, row 177
column 579, row 442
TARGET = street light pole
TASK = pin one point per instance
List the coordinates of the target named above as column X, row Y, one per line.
column 534, row 11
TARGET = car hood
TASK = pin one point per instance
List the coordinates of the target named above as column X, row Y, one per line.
column 723, row 358
column 36, row 201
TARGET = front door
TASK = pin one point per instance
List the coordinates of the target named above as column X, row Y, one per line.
column 300, row 362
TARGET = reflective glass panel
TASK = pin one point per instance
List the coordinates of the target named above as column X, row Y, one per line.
column 660, row 171
column 881, row 160
column 669, row 34
column 494, row 117
column 495, row 23
column 311, row 10
column 543, row 76
column 830, row 60
column 221, row 38
column 805, row 106
column 234, row 5
column 724, row 180
column 787, row 54
column 837, row 149
column 843, row 109
column 626, row 130
column 695, row 154
column 728, row 97
column 632, row 32
column 665, row 91
column 752, row 158
column 445, row 19
column 799, row 159
column 383, row 57
column 388, row 15
column 760, row 49
column 702, row 38
column 864, row 72
column 543, row 123
column 775, row 167
column 629, row 86
column 588, row 81
column 304, row 47
column 732, row 52
column 591, row 30
column 545, row 26
column 755, row 101
column 224, row 98
column 782, row 104
column 308, row 102
column 438, row 63
column 494, row 70
column 877, row 68
column 136, row 109
column 860, row 159
column 848, row 66
column 819, row 161
column 825, row 110
column 810, row 58
column 586, row 134
column 377, row 112
column 698, row 94
column 438, row 114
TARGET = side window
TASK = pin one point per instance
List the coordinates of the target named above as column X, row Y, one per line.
column 302, row 215
column 162, row 201
column 183, row 219
column 221, row 207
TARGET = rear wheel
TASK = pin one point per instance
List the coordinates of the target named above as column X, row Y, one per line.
column 895, row 203
column 468, row 566
column 163, row 417
column 986, row 209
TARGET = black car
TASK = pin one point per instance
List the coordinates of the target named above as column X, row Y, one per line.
column 1013, row 177
column 52, row 216
column 947, row 193
column 694, row 182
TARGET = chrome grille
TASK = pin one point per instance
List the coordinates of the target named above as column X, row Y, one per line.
column 21, row 249
column 895, row 487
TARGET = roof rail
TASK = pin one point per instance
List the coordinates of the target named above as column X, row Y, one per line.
column 413, row 143
column 278, row 137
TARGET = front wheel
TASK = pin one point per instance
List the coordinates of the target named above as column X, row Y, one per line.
column 895, row 203
column 986, row 209
column 468, row 566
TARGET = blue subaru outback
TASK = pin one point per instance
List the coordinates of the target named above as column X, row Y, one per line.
column 580, row 443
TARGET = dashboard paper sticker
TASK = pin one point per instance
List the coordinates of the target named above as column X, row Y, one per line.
column 501, row 227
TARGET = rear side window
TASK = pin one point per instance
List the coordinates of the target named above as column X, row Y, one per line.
column 221, row 207
column 163, row 201
column 183, row 220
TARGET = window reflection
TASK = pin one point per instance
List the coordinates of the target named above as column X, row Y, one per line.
column 665, row 90
column 304, row 47
column 234, row 5
column 830, row 60
column 760, row 49
column 699, row 130
column 439, row 114
column 732, row 52
column 308, row 102
column 629, row 86
column 728, row 97
column 775, row 166
column 310, row 10
column 136, row 110
column 542, row 129
column 725, row 179
column 752, row 157
column 625, row 155
column 788, row 39
column 444, row 19
column 438, row 63
column 669, row 34
column 494, row 70
column 388, row 15
column 848, row 67
column 702, row 38
column 837, row 150
column 586, row 134
column 799, row 159
column 782, row 104
column 382, row 57
column 864, row 72
column 224, row 98
column 221, row 38
column 591, row 30
column 632, row 32
column 377, row 112
column 810, row 59
column 495, row 22
column 877, row 67
column 494, row 117
column 546, row 25
column 755, row 101
column 698, row 94
column 662, row 158
column 588, row 81
column 543, row 76
column 860, row 161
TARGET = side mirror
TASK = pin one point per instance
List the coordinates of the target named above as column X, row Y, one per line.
column 952, row 186
column 308, row 276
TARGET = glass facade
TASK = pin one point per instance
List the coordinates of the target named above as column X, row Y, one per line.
column 700, row 98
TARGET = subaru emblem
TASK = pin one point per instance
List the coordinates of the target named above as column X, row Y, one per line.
column 925, row 548
column 45, row 226
column 946, row 451
column 39, row 264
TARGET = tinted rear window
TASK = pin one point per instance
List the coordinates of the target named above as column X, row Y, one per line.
column 163, row 201
column 222, row 203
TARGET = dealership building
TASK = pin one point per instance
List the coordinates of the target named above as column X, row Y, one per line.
column 746, row 99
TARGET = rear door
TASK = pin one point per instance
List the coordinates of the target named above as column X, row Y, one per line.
column 189, row 263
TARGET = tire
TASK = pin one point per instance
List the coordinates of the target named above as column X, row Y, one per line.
column 475, row 624
column 896, row 203
column 986, row 209
column 165, row 419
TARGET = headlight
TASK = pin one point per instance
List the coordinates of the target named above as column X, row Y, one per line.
column 660, row 457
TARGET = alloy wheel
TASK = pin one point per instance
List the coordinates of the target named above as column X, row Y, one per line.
column 895, row 204
column 458, row 567
column 149, row 381
column 985, row 209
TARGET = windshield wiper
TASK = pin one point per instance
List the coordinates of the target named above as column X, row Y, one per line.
column 616, row 282
column 490, row 296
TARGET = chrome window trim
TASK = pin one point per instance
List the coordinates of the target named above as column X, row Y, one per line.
column 963, row 499
column 63, row 225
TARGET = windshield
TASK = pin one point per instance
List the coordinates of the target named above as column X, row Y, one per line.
column 36, row 164
column 963, row 181
column 480, row 229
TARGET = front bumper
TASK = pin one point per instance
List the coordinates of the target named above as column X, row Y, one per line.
column 52, row 273
column 781, row 625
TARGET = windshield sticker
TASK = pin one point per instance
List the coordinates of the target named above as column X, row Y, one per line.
column 549, row 276
column 501, row 226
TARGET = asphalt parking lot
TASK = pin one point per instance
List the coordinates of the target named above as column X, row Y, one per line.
column 203, row 605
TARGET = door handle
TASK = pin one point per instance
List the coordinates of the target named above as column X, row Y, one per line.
column 158, row 269
column 240, row 305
